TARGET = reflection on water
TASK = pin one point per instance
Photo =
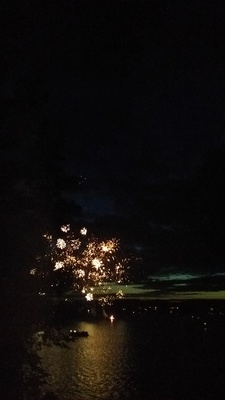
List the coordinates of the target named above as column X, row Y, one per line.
column 168, row 358
column 96, row 367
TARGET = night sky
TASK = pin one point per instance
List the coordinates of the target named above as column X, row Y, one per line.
column 137, row 88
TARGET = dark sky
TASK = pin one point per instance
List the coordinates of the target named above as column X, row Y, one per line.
column 137, row 87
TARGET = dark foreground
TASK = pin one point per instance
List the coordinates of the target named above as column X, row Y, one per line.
column 159, row 350
column 152, row 350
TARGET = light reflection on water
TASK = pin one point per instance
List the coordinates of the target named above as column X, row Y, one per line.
column 97, row 367
column 166, row 358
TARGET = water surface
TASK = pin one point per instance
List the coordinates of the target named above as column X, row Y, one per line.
column 141, row 358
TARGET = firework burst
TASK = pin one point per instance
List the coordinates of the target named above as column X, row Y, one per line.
column 90, row 264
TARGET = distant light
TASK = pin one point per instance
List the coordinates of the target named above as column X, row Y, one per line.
column 111, row 318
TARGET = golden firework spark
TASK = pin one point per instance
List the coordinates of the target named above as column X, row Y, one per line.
column 65, row 228
column 83, row 231
column 58, row 265
column 47, row 236
column 60, row 243
column 89, row 296
column 75, row 244
column 97, row 263
column 33, row 271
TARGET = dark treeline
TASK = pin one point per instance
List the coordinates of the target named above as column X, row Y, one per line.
column 33, row 181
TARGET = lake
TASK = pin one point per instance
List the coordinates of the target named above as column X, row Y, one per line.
column 158, row 356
